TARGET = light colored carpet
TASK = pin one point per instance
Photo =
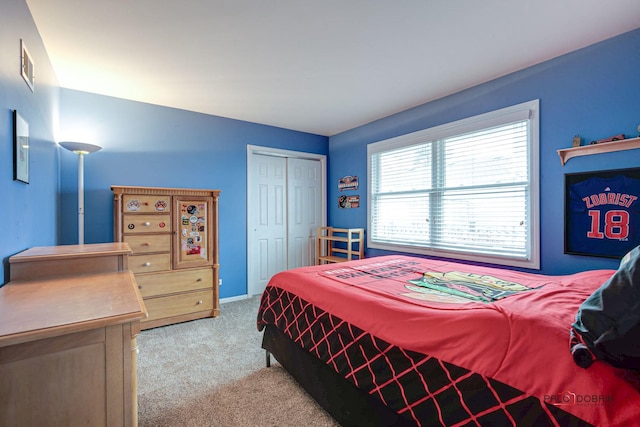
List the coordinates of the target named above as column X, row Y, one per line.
column 211, row 372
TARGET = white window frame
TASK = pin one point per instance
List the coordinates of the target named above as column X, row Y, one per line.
column 528, row 109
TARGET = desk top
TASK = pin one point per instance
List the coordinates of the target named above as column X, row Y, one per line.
column 36, row 309
column 41, row 253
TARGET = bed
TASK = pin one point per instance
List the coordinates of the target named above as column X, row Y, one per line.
column 399, row 340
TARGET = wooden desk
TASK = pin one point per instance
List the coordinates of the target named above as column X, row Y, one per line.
column 68, row 342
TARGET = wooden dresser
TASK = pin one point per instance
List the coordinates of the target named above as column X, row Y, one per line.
column 173, row 233
column 69, row 318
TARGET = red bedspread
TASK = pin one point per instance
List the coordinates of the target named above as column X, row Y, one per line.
column 506, row 325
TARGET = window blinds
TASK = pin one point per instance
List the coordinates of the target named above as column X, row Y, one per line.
column 464, row 193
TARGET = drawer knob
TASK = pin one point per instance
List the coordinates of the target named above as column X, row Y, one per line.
column 147, row 224
column 147, row 264
column 199, row 302
column 199, row 279
column 139, row 286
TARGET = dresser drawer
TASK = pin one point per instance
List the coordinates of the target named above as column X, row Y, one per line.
column 173, row 282
column 149, row 263
column 135, row 224
column 142, row 243
column 175, row 305
column 143, row 204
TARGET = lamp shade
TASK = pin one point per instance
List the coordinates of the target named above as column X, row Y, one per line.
column 80, row 147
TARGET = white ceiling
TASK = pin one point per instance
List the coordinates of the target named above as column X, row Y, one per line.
column 321, row 66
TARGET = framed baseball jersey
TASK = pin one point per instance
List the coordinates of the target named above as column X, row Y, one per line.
column 602, row 212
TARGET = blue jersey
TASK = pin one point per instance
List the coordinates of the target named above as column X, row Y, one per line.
column 604, row 216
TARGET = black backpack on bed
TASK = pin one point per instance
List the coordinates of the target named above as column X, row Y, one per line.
column 607, row 325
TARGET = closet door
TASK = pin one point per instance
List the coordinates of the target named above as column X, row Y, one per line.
column 267, row 216
column 285, row 206
column 304, row 210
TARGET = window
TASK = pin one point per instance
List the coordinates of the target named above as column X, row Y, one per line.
column 465, row 190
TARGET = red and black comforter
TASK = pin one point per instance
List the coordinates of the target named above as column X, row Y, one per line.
column 444, row 343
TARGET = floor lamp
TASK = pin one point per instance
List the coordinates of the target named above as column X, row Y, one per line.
column 81, row 149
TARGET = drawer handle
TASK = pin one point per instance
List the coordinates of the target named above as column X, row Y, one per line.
column 147, row 264
column 147, row 224
column 145, row 244
column 199, row 279
column 199, row 302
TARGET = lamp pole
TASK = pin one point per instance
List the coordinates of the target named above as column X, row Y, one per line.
column 80, row 197
column 81, row 149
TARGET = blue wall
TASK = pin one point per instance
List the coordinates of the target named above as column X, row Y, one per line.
column 593, row 92
column 28, row 213
column 149, row 145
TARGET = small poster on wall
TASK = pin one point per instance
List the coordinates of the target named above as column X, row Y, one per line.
column 349, row 182
column 602, row 212
column 20, row 148
column 348, row 202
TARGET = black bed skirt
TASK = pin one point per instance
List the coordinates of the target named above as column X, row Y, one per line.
column 347, row 404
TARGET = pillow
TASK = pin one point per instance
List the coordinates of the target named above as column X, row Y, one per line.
column 607, row 325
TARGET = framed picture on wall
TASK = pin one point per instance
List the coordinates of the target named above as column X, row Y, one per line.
column 602, row 212
column 20, row 148
column 26, row 65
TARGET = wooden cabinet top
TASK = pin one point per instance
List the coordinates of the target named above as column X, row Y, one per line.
column 45, row 262
column 36, row 309
column 42, row 253
column 57, row 290
column 126, row 189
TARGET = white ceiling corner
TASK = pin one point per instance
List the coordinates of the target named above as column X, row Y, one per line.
column 315, row 66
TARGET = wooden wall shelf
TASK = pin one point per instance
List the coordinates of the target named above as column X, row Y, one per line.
column 606, row 147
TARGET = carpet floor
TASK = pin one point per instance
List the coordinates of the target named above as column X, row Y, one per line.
column 212, row 372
